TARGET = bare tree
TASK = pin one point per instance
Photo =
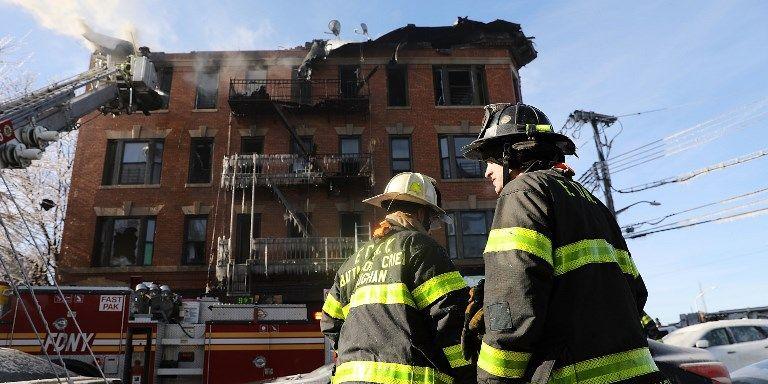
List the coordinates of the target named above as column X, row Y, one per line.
column 33, row 201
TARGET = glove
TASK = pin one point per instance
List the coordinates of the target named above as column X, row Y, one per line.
column 474, row 324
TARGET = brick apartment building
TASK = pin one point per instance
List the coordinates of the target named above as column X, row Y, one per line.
column 256, row 166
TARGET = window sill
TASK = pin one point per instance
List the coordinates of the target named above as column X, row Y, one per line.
column 398, row 107
column 464, row 180
column 206, row 110
column 159, row 112
column 129, row 186
column 198, row 185
column 458, row 106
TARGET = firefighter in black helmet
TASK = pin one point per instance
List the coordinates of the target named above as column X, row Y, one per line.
column 562, row 296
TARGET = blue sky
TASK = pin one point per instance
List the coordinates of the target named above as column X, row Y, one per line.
column 699, row 59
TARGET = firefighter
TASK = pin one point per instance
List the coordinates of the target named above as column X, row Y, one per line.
column 651, row 327
column 562, row 296
column 141, row 299
column 399, row 297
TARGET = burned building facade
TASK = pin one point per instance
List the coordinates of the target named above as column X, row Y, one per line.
column 255, row 170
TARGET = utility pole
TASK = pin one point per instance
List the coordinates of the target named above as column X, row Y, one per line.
column 594, row 119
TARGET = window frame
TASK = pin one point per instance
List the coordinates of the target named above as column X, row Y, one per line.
column 727, row 333
column 392, row 158
column 358, row 219
column 165, row 73
column 459, row 233
column 478, row 82
column 190, row 169
column 208, row 71
column 453, row 160
column 346, row 91
column 407, row 101
column 113, row 163
column 187, row 241
column 98, row 259
column 242, row 234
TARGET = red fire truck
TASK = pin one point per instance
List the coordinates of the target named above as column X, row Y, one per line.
column 213, row 343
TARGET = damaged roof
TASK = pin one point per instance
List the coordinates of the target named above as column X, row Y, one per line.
column 465, row 32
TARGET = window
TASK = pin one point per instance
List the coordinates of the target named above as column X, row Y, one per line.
column 400, row 149
column 397, row 86
column 133, row 162
column 717, row 337
column 207, row 89
column 200, row 160
column 252, row 144
column 453, row 164
column 460, row 85
column 164, row 80
column 349, row 147
column 301, row 88
column 243, row 235
column 348, row 81
column 194, row 240
column 746, row 334
column 304, row 219
column 347, row 223
column 124, row 241
column 301, row 164
column 468, row 233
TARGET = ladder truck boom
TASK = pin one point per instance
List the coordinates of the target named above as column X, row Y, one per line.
column 119, row 81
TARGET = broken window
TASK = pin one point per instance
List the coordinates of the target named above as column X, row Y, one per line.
column 350, row 154
column 243, row 243
column 400, row 149
column 207, row 89
column 468, row 233
column 133, row 162
column 164, row 80
column 301, row 88
column 455, row 166
column 195, row 228
column 348, row 84
column 200, row 160
column 460, row 85
column 397, row 86
column 124, row 241
column 347, row 223
column 257, row 80
column 304, row 219
column 301, row 164
column 252, row 144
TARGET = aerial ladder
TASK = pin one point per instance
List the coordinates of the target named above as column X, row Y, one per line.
column 120, row 81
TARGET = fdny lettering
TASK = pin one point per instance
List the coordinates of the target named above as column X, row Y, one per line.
column 392, row 260
column 68, row 342
column 348, row 276
column 377, row 276
column 568, row 185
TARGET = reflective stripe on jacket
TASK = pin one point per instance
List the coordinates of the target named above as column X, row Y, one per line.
column 560, row 286
column 395, row 313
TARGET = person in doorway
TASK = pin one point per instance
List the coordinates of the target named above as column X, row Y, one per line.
column 562, row 296
column 396, row 308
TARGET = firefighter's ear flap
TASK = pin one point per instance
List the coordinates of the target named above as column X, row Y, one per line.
column 498, row 316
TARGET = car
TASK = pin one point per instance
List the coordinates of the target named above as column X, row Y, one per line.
column 737, row 343
column 756, row 373
column 683, row 365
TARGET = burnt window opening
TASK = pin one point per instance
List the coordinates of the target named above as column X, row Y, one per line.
column 195, row 229
column 164, row 80
column 301, row 164
column 207, row 89
column 467, row 236
column 252, row 144
column 400, row 152
column 133, row 162
column 348, row 221
column 304, row 219
column 348, row 81
column 453, row 164
column 397, row 86
column 301, row 88
column 124, row 241
column 460, row 85
column 200, row 160
column 243, row 235
column 349, row 148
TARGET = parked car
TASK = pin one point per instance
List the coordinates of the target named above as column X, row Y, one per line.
column 682, row 365
column 737, row 343
column 756, row 373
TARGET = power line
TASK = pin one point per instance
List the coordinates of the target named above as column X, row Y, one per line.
column 695, row 173
column 741, row 215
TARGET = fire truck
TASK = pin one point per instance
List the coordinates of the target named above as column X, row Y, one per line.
column 214, row 342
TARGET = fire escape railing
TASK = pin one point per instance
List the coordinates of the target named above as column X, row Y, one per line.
column 291, row 169
column 246, row 95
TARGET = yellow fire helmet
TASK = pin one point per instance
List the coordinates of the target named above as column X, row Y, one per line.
column 415, row 188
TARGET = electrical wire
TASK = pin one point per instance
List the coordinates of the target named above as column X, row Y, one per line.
column 695, row 173
column 730, row 217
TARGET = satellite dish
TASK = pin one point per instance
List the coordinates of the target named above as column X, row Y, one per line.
column 335, row 27
column 364, row 27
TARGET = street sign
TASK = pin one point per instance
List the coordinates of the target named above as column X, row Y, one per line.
column 6, row 131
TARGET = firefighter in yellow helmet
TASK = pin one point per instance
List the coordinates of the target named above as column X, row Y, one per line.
column 396, row 308
column 562, row 296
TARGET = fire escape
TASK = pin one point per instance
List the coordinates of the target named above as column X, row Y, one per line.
column 244, row 175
